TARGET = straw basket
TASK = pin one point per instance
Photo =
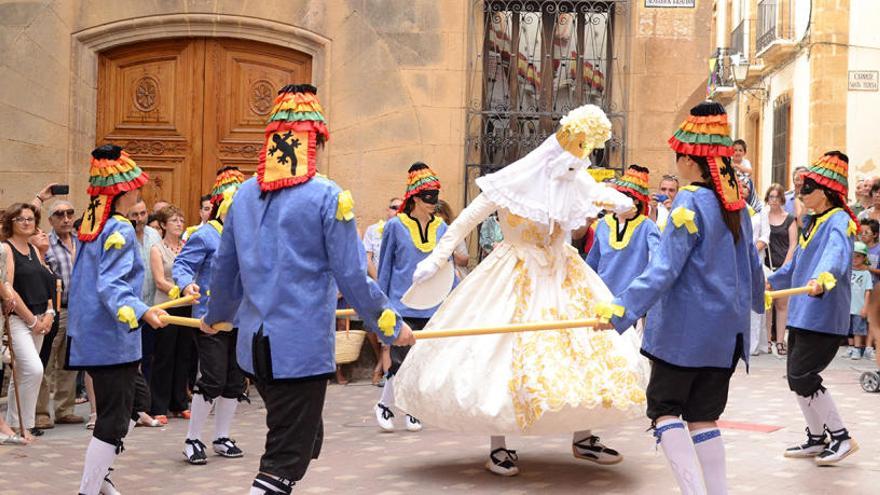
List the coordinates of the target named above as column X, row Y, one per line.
column 348, row 345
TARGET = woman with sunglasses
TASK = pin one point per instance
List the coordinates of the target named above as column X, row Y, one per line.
column 407, row 239
column 33, row 319
column 818, row 322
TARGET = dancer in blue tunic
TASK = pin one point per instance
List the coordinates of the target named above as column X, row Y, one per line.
column 698, row 291
column 105, row 309
column 407, row 239
column 220, row 381
column 818, row 322
column 624, row 242
column 289, row 241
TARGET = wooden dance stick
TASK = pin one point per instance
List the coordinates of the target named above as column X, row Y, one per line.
column 222, row 326
column 345, row 313
column 773, row 294
column 516, row 327
column 181, row 301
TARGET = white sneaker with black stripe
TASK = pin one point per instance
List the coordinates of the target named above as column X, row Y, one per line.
column 841, row 447
column 384, row 417
column 225, row 447
column 413, row 424
column 590, row 449
column 503, row 462
column 194, row 451
column 814, row 446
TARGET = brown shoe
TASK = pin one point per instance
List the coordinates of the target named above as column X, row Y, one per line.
column 70, row 419
column 44, row 423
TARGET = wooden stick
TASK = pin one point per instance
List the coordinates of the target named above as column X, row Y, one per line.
column 773, row 294
column 223, row 326
column 344, row 313
column 181, row 301
column 516, row 327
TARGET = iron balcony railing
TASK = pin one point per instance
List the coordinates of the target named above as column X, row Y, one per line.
column 774, row 22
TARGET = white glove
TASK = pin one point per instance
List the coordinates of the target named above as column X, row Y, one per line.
column 424, row 271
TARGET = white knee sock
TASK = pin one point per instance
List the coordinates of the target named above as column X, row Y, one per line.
column 223, row 413
column 581, row 435
column 131, row 424
column 199, row 409
column 497, row 442
column 826, row 410
column 99, row 457
column 682, row 457
column 814, row 423
column 388, row 393
column 710, row 451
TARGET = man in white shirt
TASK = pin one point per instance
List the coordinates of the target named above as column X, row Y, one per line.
column 669, row 185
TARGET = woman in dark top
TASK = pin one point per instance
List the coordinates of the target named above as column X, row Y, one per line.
column 783, row 240
column 34, row 284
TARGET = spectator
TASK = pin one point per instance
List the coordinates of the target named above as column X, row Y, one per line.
column 153, row 222
column 160, row 205
column 861, row 292
column 491, row 235
column 792, row 204
column 373, row 247
column 744, row 173
column 205, row 209
column 863, row 196
column 869, row 233
column 147, row 238
column 7, row 434
column 60, row 256
column 761, row 238
column 669, row 185
column 173, row 344
column 783, row 240
column 460, row 255
column 873, row 211
column 35, row 285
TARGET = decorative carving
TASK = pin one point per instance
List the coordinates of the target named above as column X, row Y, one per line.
column 262, row 96
column 146, row 94
column 155, row 147
column 247, row 150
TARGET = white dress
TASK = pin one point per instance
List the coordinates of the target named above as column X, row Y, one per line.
column 531, row 382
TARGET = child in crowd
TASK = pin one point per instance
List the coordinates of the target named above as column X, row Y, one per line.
column 861, row 291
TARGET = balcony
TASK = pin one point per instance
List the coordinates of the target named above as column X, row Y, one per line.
column 742, row 47
column 774, row 40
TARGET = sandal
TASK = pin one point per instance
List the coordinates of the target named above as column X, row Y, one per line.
column 13, row 439
column 780, row 348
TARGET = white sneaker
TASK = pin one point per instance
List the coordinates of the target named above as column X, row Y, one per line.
column 225, row 447
column 413, row 424
column 384, row 417
column 503, row 462
column 590, row 449
column 841, row 447
column 814, row 446
column 870, row 353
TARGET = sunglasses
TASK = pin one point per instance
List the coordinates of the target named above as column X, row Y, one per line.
column 63, row 213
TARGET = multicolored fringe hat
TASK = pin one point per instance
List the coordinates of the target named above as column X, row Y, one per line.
column 634, row 183
column 296, row 127
column 831, row 172
column 227, row 177
column 421, row 178
column 111, row 173
column 706, row 133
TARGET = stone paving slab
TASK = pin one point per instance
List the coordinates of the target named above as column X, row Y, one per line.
column 357, row 458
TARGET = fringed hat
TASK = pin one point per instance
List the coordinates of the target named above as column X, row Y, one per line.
column 111, row 173
column 421, row 178
column 227, row 177
column 706, row 133
column 296, row 127
column 634, row 183
column 831, row 172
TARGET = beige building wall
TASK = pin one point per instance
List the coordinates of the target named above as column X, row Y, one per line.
column 391, row 74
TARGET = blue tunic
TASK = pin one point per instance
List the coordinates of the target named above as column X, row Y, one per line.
column 699, row 286
column 193, row 263
column 281, row 257
column 402, row 249
column 619, row 262
column 107, row 276
column 827, row 249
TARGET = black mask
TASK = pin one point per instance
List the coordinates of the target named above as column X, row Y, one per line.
column 809, row 186
column 430, row 197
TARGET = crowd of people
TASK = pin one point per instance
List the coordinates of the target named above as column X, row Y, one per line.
column 551, row 244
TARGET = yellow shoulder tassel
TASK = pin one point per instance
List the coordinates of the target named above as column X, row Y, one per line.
column 387, row 322
column 174, row 293
column 114, row 240
column 381, row 228
column 345, row 206
column 768, row 302
column 852, row 229
column 683, row 216
column 606, row 311
column 826, row 280
column 126, row 314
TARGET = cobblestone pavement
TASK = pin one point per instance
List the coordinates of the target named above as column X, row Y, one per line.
column 358, row 459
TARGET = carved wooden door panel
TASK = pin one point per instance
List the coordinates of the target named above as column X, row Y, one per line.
column 150, row 103
column 242, row 79
column 185, row 107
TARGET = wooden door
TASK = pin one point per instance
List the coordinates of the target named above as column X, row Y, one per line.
column 185, row 107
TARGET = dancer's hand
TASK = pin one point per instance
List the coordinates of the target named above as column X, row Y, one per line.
column 405, row 337
column 603, row 326
column 424, row 270
column 151, row 317
column 208, row 329
column 816, row 288
column 191, row 290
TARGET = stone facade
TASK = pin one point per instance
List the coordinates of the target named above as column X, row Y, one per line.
column 392, row 75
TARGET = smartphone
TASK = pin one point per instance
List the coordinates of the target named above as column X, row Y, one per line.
column 660, row 197
column 59, row 189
